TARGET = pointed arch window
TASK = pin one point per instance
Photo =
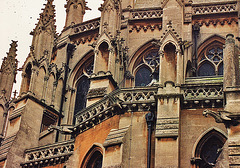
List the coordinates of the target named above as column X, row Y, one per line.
column 94, row 158
column 147, row 68
column 208, row 149
column 28, row 76
column 83, row 85
column 210, row 60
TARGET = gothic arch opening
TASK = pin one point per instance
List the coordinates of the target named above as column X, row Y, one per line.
column 146, row 67
column 81, row 95
column 209, row 148
column 27, row 78
column 169, row 63
column 210, row 57
column 93, row 158
column 102, row 58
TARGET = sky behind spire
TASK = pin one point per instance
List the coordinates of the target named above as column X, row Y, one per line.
column 18, row 18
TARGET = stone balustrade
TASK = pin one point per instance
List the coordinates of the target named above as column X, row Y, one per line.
column 214, row 8
column 49, row 154
column 86, row 26
column 146, row 14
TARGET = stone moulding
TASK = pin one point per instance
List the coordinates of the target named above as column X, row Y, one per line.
column 49, row 154
column 115, row 137
column 16, row 113
column 5, row 146
column 98, row 92
column 167, row 127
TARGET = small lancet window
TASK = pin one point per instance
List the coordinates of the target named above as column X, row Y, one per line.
column 81, row 96
column 28, row 76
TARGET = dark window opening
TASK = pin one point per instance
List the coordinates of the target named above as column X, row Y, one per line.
column 95, row 160
column 210, row 152
column 143, row 77
column 28, row 76
column 81, row 96
column 206, row 70
column 47, row 120
column 211, row 61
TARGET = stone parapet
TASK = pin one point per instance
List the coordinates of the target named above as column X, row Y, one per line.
column 200, row 9
column 136, row 99
column 49, row 154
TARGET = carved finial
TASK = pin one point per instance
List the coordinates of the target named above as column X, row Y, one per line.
column 13, row 49
column 48, row 13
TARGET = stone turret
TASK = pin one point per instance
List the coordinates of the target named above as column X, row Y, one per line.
column 45, row 32
column 8, row 71
column 75, row 11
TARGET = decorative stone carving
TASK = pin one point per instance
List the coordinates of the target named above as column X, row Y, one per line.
column 49, row 154
column 146, row 14
column 198, row 96
column 121, row 100
column 214, row 8
column 86, row 26
column 98, row 92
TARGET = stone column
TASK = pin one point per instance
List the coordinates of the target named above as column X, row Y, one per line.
column 231, row 63
column 179, row 67
column 33, row 78
column 167, row 126
column 232, row 94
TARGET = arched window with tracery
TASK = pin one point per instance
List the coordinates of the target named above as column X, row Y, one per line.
column 208, row 149
column 147, row 68
column 210, row 59
column 94, row 158
column 82, row 85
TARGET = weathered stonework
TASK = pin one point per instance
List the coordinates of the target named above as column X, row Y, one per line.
column 128, row 89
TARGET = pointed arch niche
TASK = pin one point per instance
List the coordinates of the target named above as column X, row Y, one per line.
column 25, row 86
column 93, row 158
column 210, row 57
column 208, row 148
column 169, row 59
column 102, row 58
column 145, row 65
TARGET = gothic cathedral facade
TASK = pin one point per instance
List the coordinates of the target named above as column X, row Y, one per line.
column 149, row 84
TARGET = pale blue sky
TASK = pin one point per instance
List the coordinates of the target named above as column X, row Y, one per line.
column 18, row 19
